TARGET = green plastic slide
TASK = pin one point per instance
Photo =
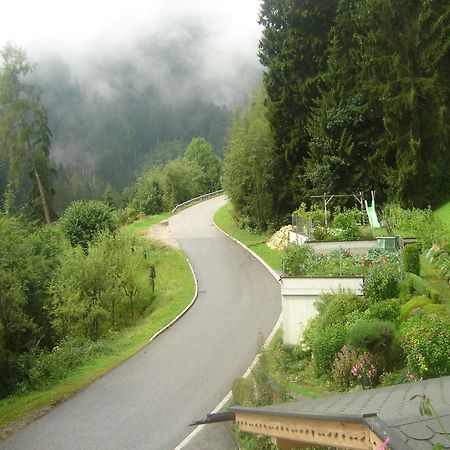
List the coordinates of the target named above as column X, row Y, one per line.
column 372, row 215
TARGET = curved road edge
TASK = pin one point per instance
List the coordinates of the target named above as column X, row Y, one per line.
column 185, row 310
column 227, row 398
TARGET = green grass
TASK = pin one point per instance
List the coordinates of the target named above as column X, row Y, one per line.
column 444, row 214
column 430, row 273
column 224, row 219
column 174, row 290
column 141, row 225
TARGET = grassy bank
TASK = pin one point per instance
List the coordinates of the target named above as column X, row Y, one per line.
column 174, row 290
column 444, row 214
column 224, row 219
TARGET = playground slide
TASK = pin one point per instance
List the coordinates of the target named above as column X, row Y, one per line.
column 372, row 215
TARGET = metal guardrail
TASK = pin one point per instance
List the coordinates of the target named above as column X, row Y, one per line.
column 198, row 199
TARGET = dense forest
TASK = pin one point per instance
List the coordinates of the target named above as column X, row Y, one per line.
column 356, row 98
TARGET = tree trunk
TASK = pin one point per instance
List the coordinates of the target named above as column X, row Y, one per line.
column 43, row 199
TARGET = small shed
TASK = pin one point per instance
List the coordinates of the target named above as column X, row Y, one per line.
column 298, row 296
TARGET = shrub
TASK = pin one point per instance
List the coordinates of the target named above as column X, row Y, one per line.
column 365, row 371
column 84, row 220
column 411, row 259
column 325, row 346
column 433, row 308
column 298, row 260
column 341, row 371
column 320, row 233
column 376, row 336
column 341, row 306
column 414, row 306
column 381, row 283
column 347, row 221
column 425, row 339
column 290, row 358
column 384, row 310
column 70, row 353
column 415, row 284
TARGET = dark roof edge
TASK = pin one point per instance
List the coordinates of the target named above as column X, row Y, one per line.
column 314, row 416
column 384, row 431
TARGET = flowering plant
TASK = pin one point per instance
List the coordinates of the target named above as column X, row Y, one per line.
column 365, row 371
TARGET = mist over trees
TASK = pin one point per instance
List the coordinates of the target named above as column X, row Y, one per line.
column 117, row 110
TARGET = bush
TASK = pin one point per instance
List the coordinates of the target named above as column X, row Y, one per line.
column 384, row 310
column 376, row 336
column 347, row 221
column 411, row 259
column 325, row 346
column 413, row 306
column 290, row 358
column 84, row 220
column 425, row 339
column 381, row 283
column 341, row 371
column 49, row 367
column 298, row 260
column 365, row 371
column 340, row 307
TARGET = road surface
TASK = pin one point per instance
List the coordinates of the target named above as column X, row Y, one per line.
column 147, row 402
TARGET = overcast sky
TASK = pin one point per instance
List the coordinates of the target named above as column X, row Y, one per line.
column 222, row 36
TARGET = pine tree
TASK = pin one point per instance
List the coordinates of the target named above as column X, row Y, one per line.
column 24, row 134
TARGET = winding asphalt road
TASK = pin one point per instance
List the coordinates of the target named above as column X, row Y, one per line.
column 147, row 402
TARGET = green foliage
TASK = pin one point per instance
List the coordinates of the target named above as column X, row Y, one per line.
column 325, row 61
column 325, row 345
column 425, row 340
column 381, row 283
column 293, row 48
column 24, row 133
column 411, row 259
column 84, row 220
column 298, row 260
column 28, row 259
column 414, row 284
column 348, row 221
column 420, row 223
column 341, row 371
column 386, row 310
column 200, row 152
column 100, row 290
column 71, row 352
column 249, row 165
column 242, row 390
column 414, row 305
column 376, row 336
column 341, row 306
column 291, row 358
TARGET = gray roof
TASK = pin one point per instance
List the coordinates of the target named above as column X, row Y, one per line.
column 388, row 411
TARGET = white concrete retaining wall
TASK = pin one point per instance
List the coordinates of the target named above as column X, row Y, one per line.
column 298, row 296
column 353, row 247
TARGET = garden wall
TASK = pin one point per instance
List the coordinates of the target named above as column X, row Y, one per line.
column 353, row 247
column 298, row 296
